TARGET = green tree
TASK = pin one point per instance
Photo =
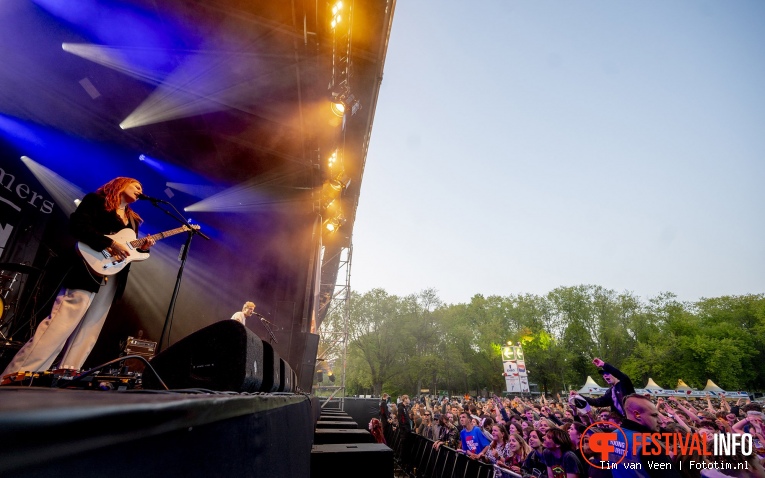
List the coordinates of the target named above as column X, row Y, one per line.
column 375, row 332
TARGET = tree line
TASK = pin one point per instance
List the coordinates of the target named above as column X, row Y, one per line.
column 405, row 344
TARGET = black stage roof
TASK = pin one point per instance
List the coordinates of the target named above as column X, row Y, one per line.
column 228, row 102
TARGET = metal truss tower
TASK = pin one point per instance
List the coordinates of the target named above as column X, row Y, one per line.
column 334, row 333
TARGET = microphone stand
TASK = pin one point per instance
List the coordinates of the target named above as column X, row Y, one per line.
column 268, row 328
column 184, row 256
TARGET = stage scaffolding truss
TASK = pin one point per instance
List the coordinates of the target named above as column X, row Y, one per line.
column 333, row 333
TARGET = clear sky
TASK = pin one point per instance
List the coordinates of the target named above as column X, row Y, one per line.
column 521, row 145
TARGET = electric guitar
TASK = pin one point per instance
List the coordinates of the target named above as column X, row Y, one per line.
column 101, row 262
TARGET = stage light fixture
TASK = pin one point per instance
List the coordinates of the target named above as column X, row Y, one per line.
column 338, row 108
column 332, row 159
column 330, row 203
column 345, row 102
column 340, row 182
column 335, row 223
column 336, row 14
column 329, row 196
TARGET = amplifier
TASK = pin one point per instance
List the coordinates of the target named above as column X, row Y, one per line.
column 141, row 347
column 144, row 348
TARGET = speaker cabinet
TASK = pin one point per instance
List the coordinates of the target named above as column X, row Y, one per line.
column 224, row 356
column 287, row 375
column 371, row 460
column 271, row 369
column 308, row 366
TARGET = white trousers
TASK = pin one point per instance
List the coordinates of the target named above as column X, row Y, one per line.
column 71, row 329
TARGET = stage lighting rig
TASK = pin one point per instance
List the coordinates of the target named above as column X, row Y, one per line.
column 344, row 102
column 335, row 223
column 337, row 15
column 340, row 182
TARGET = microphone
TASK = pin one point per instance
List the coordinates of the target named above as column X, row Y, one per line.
column 263, row 319
column 144, row 197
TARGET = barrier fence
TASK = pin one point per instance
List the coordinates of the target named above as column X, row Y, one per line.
column 415, row 457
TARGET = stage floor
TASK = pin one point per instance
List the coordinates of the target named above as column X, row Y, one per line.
column 57, row 432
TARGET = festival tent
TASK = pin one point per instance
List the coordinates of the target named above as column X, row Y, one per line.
column 682, row 386
column 589, row 387
column 712, row 387
column 651, row 385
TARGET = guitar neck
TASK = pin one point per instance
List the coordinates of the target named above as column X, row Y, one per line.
column 159, row 236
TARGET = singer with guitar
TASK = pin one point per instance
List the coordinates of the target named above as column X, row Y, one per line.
column 81, row 307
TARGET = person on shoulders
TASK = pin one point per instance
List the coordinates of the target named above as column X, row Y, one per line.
column 619, row 383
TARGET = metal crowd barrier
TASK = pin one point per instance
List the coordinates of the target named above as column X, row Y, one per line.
column 415, row 457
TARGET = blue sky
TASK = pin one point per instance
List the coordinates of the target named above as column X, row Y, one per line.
column 520, row 146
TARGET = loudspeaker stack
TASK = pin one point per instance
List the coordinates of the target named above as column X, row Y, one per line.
column 342, row 449
column 224, row 356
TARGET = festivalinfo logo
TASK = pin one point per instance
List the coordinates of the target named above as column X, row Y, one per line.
column 613, row 447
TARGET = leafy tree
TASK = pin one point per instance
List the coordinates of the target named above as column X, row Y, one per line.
column 375, row 331
column 407, row 343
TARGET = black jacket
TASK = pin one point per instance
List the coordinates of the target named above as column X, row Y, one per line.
column 623, row 388
column 90, row 223
column 404, row 421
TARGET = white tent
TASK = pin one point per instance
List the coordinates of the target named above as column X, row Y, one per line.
column 590, row 387
column 682, row 386
column 711, row 387
column 651, row 385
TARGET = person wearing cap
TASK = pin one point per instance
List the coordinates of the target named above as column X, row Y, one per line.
column 447, row 433
column 620, row 387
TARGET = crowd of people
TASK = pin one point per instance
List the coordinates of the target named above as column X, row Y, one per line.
column 550, row 437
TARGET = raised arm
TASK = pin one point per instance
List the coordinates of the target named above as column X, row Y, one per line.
column 692, row 414
column 710, row 407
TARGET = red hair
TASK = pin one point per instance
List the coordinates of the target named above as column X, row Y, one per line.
column 112, row 192
column 375, row 426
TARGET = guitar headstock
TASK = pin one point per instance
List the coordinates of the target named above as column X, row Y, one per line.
column 195, row 227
